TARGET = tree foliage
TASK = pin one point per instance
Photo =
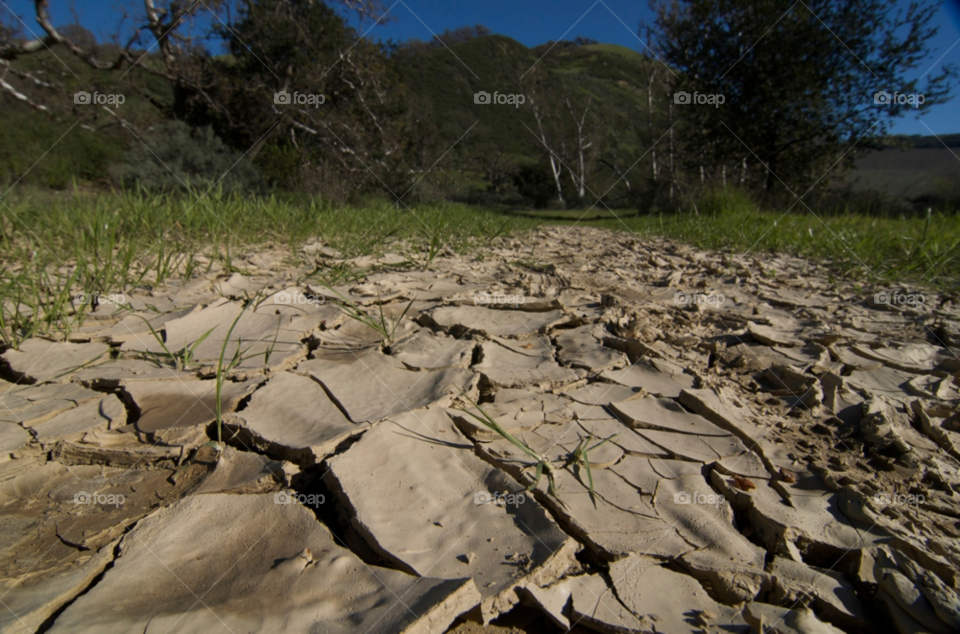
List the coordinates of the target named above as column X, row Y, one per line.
column 177, row 157
column 798, row 82
column 300, row 79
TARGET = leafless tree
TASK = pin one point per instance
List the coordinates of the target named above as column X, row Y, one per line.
column 166, row 22
column 582, row 145
column 549, row 141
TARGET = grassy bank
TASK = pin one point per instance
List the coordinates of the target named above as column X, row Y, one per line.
column 53, row 246
column 892, row 249
column 910, row 251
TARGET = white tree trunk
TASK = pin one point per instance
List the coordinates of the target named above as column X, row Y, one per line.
column 653, row 153
column 580, row 178
column 555, row 164
column 673, row 173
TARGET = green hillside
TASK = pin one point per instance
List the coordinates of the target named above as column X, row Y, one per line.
column 440, row 89
column 75, row 140
column 445, row 86
column 918, row 172
column 611, row 74
column 440, row 85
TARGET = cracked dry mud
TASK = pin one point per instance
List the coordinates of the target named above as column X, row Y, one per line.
column 786, row 459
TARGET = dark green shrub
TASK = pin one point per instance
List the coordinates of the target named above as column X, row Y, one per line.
column 280, row 164
column 179, row 157
column 535, row 183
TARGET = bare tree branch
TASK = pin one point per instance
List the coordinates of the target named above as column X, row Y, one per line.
column 54, row 37
column 6, row 87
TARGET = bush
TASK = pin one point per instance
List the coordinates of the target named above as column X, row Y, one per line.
column 535, row 183
column 180, row 157
column 280, row 164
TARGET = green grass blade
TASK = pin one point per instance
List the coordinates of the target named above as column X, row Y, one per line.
column 536, row 478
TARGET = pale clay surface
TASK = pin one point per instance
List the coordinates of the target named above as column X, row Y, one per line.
column 788, row 459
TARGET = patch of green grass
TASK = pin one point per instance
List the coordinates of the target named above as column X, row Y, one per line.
column 881, row 249
column 878, row 250
column 223, row 369
column 37, row 301
column 616, row 49
column 56, row 246
column 542, row 464
column 581, row 460
column 113, row 234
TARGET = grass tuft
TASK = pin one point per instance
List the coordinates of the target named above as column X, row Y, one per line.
column 579, row 459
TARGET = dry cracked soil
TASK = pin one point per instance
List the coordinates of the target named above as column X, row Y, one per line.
column 688, row 442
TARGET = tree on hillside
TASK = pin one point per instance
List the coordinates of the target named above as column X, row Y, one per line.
column 568, row 129
column 542, row 99
column 798, row 82
column 166, row 28
column 301, row 79
column 582, row 139
column 635, row 153
column 492, row 162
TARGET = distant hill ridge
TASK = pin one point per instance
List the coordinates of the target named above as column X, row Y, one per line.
column 923, row 142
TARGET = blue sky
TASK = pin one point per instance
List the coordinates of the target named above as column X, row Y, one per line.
column 532, row 23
